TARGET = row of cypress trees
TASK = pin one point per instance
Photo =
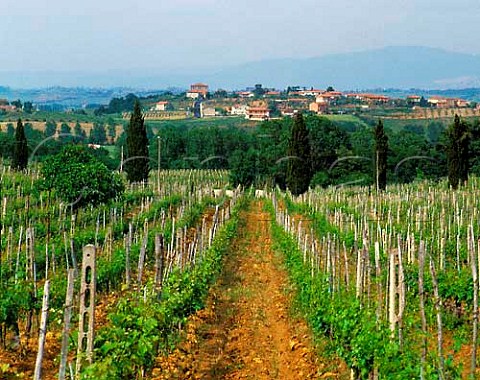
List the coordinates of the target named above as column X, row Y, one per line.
column 299, row 172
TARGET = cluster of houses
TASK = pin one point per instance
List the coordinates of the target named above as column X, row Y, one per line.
column 254, row 106
column 6, row 106
column 440, row 102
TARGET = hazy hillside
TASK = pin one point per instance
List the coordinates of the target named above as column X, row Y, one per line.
column 391, row 67
column 394, row 67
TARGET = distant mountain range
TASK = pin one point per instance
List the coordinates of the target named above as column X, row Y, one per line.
column 392, row 67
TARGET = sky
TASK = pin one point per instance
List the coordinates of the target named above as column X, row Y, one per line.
column 182, row 35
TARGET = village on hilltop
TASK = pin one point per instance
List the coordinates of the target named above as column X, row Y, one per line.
column 258, row 103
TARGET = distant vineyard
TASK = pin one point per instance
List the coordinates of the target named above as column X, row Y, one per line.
column 440, row 113
column 40, row 126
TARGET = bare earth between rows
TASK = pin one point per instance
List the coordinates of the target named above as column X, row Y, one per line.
column 246, row 330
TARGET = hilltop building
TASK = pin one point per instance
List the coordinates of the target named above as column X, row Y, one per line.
column 441, row 102
column 311, row 92
column 369, row 98
column 245, row 94
column 414, row 99
column 206, row 111
column 328, row 97
column 318, row 108
column 197, row 90
column 6, row 106
column 239, row 109
column 161, row 106
column 258, row 113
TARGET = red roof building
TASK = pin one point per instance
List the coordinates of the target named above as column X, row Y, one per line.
column 197, row 90
column 258, row 113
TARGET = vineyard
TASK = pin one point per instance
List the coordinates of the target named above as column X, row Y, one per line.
column 386, row 282
column 390, row 279
column 157, row 250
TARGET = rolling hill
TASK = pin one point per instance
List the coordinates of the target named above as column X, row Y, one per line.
column 391, row 67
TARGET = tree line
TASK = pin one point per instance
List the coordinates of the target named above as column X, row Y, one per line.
column 293, row 152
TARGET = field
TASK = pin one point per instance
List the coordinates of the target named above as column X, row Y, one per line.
column 238, row 122
column 194, row 281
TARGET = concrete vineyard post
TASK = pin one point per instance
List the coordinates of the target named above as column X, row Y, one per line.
column 43, row 331
column 86, row 321
column 66, row 324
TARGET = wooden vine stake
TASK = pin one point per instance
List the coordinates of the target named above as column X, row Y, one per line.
column 401, row 293
column 87, row 308
column 392, row 293
column 43, row 331
column 473, row 262
column 141, row 256
column 421, row 294
column 438, row 308
column 66, row 324
column 159, row 261
column 127, row 254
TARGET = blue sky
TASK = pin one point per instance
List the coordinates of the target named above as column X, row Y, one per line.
column 193, row 34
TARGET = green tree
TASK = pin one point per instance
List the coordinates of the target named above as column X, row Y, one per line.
column 243, row 167
column 326, row 138
column 80, row 134
column 50, row 128
column 136, row 165
column 17, row 103
column 381, row 153
column 475, row 148
column 98, row 134
column 28, row 107
column 66, row 133
column 111, row 129
column 7, row 145
column 434, row 131
column 79, row 178
column 457, row 150
column 299, row 171
column 259, row 90
column 65, row 129
column 407, row 159
column 20, row 153
column 272, row 140
column 10, row 129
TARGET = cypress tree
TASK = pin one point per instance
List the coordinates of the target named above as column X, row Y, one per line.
column 457, row 149
column 136, row 164
column 381, row 152
column 20, row 152
column 299, row 171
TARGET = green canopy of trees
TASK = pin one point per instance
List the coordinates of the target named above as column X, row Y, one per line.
column 381, row 154
column 20, row 153
column 342, row 151
column 79, row 178
column 137, row 162
column 457, row 149
column 299, row 164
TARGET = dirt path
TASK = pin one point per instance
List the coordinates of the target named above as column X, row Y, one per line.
column 246, row 332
